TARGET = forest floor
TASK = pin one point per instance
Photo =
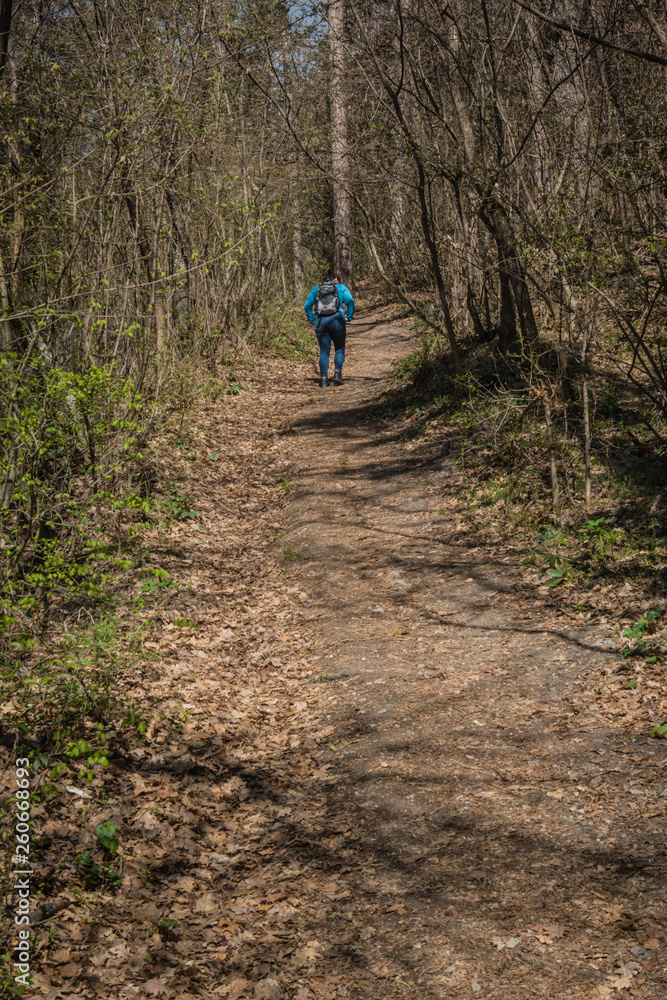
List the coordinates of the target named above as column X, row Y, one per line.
column 379, row 764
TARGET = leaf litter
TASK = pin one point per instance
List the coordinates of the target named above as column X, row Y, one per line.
column 509, row 844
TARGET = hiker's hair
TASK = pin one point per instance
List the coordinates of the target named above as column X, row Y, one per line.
column 331, row 277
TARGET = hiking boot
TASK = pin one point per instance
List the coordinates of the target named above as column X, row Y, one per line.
column 338, row 378
column 324, row 382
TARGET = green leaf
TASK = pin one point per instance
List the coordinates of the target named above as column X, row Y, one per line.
column 555, row 575
column 106, row 834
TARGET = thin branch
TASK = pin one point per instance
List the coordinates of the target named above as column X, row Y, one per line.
column 590, row 37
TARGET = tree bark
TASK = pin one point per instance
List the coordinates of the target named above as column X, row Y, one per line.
column 297, row 253
column 5, row 27
column 339, row 147
column 555, row 493
column 5, row 324
column 292, row 198
column 514, row 290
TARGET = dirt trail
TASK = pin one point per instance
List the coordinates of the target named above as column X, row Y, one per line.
column 380, row 770
column 506, row 839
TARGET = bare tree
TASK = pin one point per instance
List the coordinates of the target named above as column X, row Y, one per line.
column 340, row 168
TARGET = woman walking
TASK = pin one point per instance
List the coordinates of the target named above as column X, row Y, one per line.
column 329, row 303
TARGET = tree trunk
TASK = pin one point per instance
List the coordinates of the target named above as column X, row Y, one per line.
column 5, row 27
column 5, row 324
column 297, row 255
column 514, row 290
column 342, row 261
column 555, row 493
column 507, row 332
column 293, row 183
column 401, row 167
column 397, row 220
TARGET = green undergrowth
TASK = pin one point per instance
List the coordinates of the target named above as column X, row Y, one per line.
column 84, row 530
column 278, row 330
column 76, row 599
column 489, row 425
column 78, row 613
column 72, row 687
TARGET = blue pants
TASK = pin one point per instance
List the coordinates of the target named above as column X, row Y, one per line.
column 328, row 329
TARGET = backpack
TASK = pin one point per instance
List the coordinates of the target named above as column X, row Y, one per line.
column 327, row 303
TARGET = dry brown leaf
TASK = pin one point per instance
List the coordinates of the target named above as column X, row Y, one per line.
column 61, row 955
column 207, row 903
column 155, row 987
column 630, row 969
column 120, row 952
column 139, row 785
column 237, row 988
column 308, row 954
column 268, row 989
column 185, row 883
column 546, row 933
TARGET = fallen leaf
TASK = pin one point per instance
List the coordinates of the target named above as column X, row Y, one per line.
column 237, row 988
column 629, row 969
column 61, row 955
column 155, row 987
column 546, row 933
column 400, row 908
column 121, row 951
column 206, row 904
column 309, row 954
column 185, row 883
column 267, row 989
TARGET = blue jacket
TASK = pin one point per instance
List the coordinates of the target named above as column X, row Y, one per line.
column 344, row 297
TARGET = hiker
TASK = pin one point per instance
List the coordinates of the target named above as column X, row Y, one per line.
column 330, row 301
